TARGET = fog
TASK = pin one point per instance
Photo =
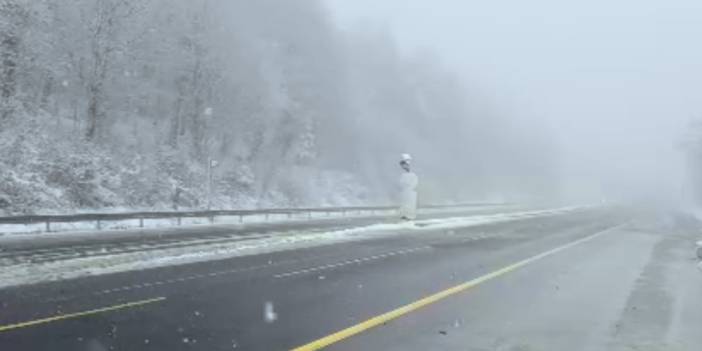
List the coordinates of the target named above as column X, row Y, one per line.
column 612, row 84
column 124, row 104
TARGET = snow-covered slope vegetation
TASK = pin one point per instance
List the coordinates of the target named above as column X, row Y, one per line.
column 120, row 104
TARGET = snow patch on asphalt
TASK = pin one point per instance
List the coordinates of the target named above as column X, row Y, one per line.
column 29, row 273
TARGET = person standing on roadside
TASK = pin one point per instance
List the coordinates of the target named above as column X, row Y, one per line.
column 408, row 192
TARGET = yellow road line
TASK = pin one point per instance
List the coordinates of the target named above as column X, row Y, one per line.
column 61, row 317
column 384, row 318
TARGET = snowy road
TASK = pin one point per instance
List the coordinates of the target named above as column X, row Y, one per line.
column 596, row 279
column 55, row 256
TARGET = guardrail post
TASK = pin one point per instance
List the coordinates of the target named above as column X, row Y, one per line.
column 311, row 213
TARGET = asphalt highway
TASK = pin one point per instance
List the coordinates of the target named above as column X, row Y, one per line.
column 596, row 279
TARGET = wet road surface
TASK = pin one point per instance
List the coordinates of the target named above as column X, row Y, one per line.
column 600, row 279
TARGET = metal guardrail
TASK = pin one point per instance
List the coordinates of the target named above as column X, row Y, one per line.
column 98, row 218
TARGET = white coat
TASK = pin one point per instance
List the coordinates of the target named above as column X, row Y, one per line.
column 408, row 195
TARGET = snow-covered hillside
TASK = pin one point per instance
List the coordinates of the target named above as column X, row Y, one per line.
column 120, row 104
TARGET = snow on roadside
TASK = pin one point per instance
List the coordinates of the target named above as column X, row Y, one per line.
column 28, row 273
column 91, row 226
column 7, row 230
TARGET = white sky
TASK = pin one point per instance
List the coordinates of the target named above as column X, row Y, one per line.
column 615, row 80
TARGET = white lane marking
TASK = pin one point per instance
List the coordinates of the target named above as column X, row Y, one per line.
column 349, row 262
column 240, row 270
column 482, row 237
column 184, row 279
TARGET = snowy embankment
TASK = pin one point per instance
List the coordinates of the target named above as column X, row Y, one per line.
column 70, row 228
column 29, row 273
column 91, row 226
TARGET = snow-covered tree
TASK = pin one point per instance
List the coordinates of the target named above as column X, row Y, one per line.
column 137, row 95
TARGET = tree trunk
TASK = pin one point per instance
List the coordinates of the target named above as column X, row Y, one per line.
column 46, row 92
column 96, row 91
column 9, row 45
column 93, row 111
column 174, row 133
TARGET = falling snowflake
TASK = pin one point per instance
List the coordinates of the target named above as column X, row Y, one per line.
column 269, row 314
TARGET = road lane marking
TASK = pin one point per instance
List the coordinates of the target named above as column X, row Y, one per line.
column 182, row 279
column 61, row 317
column 349, row 262
column 240, row 270
column 399, row 312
